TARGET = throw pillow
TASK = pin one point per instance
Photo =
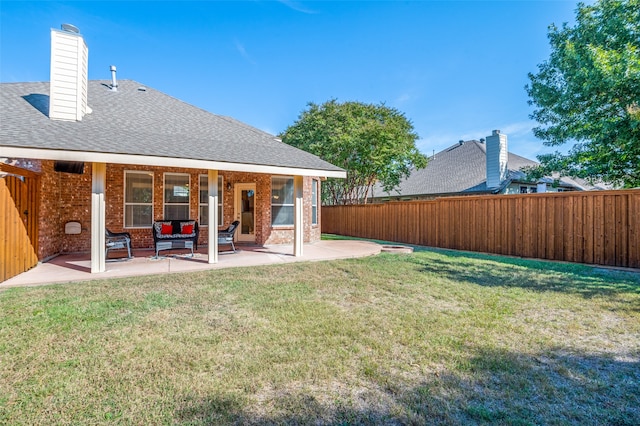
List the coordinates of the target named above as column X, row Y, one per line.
column 167, row 229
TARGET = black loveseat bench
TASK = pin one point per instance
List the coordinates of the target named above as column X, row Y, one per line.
column 175, row 234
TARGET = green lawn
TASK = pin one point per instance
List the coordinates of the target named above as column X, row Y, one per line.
column 435, row 337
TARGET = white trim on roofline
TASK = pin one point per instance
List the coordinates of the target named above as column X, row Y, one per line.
column 145, row 160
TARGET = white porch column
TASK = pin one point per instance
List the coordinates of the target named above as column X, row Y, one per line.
column 213, row 216
column 298, row 220
column 98, row 185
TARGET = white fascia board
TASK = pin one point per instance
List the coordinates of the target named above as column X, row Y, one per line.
column 144, row 160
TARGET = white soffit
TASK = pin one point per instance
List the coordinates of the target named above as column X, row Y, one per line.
column 109, row 158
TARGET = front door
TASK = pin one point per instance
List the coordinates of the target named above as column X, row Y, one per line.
column 245, row 197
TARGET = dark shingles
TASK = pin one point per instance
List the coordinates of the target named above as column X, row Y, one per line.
column 141, row 122
column 461, row 169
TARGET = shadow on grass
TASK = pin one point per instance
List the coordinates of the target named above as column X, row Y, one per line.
column 487, row 387
column 540, row 275
column 497, row 271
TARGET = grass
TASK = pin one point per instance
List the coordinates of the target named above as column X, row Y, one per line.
column 435, row 337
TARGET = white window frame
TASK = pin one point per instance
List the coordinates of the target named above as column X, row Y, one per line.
column 125, row 203
column 220, row 199
column 314, row 201
column 283, row 225
column 164, row 201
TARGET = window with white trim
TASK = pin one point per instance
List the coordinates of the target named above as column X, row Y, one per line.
column 176, row 196
column 281, row 201
column 138, row 199
column 314, row 202
column 204, row 201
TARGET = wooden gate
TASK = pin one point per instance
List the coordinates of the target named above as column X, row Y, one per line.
column 18, row 221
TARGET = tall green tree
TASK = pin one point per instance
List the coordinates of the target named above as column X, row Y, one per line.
column 588, row 93
column 373, row 143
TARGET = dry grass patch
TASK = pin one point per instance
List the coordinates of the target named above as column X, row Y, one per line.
column 431, row 337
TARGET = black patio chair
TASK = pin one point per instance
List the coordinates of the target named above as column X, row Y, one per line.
column 226, row 236
column 117, row 240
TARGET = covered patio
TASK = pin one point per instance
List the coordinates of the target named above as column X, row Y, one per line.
column 120, row 156
column 77, row 267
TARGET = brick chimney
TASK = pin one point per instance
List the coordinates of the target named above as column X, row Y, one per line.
column 69, row 75
column 497, row 156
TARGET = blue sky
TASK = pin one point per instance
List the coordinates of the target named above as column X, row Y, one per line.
column 456, row 69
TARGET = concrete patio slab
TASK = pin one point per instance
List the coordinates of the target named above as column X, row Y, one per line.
column 77, row 267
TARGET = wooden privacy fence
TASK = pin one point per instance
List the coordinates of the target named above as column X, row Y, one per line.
column 600, row 227
column 18, row 222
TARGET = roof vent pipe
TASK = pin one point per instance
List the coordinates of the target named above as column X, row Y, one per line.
column 114, row 82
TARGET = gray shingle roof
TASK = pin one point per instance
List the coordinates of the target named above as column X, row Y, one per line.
column 460, row 169
column 145, row 122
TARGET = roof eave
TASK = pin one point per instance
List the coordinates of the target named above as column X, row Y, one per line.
column 145, row 160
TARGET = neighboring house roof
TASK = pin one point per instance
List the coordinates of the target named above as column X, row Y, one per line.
column 140, row 125
column 462, row 169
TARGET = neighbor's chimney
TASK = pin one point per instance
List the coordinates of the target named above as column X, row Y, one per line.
column 114, row 82
column 69, row 74
column 496, row 159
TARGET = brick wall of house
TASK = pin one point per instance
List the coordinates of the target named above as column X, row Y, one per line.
column 50, row 228
column 67, row 197
column 75, row 206
column 64, row 198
